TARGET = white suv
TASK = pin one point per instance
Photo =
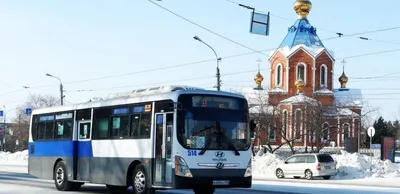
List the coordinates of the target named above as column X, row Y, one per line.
column 308, row 166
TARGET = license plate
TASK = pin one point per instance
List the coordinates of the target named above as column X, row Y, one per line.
column 327, row 167
column 220, row 182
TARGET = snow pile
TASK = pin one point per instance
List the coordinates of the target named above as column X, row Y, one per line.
column 14, row 158
column 265, row 164
column 357, row 165
column 349, row 166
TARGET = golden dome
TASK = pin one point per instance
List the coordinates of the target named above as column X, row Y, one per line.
column 343, row 79
column 258, row 79
column 302, row 8
column 299, row 85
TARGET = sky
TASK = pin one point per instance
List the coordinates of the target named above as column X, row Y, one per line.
column 102, row 47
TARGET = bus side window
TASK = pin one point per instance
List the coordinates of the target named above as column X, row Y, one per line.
column 63, row 129
column 141, row 124
column 120, row 126
column 101, row 121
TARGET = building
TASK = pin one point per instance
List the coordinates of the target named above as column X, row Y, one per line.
column 301, row 103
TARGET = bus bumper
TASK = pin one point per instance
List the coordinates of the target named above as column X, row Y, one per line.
column 216, row 178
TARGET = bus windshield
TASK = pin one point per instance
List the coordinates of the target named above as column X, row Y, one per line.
column 213, row 123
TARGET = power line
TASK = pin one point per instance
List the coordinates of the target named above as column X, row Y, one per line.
column 163, row 82
column 338, row 33
column 186, row 64
column 210, row 60
column 197, row 62
column 204, row 28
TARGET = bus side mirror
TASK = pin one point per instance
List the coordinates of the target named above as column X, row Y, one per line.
column 253, row 126
column 171, row 106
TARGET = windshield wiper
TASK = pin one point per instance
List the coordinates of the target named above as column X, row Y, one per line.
column 219, row 134
column 231, row 145
column 208, row 143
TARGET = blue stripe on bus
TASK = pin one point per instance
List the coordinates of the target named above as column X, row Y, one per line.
column 60, row 148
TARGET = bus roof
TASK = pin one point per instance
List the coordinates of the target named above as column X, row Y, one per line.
column 137, row 96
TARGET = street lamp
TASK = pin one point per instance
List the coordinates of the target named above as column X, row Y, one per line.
column 218, row 60
column 61, row 87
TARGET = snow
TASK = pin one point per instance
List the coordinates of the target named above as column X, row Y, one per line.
column 17, row 158
column 313, row 50
column 341, row 112
column 324, row 91
column 349, row 166
column 348, row 97
column 300, row 99
column 277, row 90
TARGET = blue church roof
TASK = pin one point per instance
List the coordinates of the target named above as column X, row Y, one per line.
column 302, row 33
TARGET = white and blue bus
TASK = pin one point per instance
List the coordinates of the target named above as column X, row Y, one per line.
column 169, row 137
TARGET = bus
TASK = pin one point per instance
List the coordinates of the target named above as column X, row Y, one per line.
column 167, row 137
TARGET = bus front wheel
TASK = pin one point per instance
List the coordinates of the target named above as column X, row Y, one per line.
column 139, row 181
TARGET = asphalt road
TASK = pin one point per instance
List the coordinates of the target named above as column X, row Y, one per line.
column 11, row 182
column 15, row 180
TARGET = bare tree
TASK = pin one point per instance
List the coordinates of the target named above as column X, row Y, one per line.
column 20, row 124
column 271, row 133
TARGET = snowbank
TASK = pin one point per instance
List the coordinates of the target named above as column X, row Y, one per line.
column 265, row 164
column 17, row 158
column 349, row 166
column 355, row 165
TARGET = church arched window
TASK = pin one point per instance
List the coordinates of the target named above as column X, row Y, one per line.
column 298, row 125
column 301, row 72
column 284, row 122
column 323, row 75
column 325, row 131
column 278, row 73
column 346, row 131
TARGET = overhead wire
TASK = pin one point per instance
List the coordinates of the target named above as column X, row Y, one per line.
column 340, row 35
column 203, row 61
column 204, row 28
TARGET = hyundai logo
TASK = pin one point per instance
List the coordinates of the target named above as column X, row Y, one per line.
column 219, row 154
column 220, row 165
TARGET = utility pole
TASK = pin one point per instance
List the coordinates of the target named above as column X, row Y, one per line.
column 3, row 140
column 61, row 88
column 62, row 94
column 218, row 60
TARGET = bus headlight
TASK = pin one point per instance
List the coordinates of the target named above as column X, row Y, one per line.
column 248, row 170
column 181, row 168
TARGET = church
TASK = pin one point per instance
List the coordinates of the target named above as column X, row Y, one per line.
column 300, row 105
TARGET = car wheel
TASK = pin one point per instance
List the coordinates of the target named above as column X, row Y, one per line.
column 308, row 174
column 279, row 173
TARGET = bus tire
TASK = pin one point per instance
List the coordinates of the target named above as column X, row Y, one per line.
column 139, row 181
column 61, row 177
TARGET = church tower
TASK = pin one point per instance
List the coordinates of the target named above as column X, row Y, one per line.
column 301, row 60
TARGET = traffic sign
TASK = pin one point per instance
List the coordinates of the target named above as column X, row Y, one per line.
column 371, row 131
column 1, row 113
column 28, row 111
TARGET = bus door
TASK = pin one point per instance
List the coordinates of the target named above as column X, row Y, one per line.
column 84, row 149
column 162, row 167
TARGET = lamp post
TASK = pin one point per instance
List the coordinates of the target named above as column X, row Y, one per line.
column 61, row 88
column 218, row 60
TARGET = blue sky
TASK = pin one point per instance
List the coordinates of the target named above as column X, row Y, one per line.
column 81, row 40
